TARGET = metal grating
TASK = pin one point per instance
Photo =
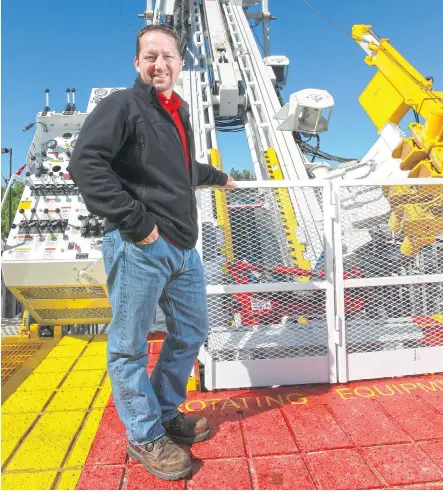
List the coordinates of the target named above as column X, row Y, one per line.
column 257, row 242
column 77, row 314
column 263, row 227
column 395, row 317
column 392, row 235
column 14, row 356
column 75, row 292
column 11, row 327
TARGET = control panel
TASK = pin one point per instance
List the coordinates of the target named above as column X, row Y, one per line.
column 52, row 221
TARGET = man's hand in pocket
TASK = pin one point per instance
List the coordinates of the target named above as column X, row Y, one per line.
column 152, row 237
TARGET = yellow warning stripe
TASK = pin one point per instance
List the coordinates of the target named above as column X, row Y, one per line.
column 289, row 220
column 73, row 303
column 50, row 422
column 194, row 379
column 222, row 209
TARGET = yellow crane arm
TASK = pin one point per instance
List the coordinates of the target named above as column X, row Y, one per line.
column 394, row 90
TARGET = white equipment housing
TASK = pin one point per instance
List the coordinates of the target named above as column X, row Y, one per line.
column 277, row 69
column 305, row 112
column 99, row 93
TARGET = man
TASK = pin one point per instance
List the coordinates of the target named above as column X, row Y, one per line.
column 134, row 165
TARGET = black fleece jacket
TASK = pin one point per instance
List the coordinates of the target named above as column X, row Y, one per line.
column 129, row 165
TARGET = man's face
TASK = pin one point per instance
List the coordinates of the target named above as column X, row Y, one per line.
column 159, row 62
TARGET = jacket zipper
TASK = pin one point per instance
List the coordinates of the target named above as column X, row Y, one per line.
column 179, row 140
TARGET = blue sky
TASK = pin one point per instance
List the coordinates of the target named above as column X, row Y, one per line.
column 85, row 44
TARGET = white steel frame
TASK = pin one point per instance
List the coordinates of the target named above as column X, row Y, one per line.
column 391, row 363
column 281, row 371
column 263, row 105
column 338, row 365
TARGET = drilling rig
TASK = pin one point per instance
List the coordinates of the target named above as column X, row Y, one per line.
column 313, row 268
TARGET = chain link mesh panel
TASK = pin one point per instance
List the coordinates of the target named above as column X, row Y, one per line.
column 392, row 230
column 260, row 237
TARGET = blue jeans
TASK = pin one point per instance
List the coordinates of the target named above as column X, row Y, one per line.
column 139, row 278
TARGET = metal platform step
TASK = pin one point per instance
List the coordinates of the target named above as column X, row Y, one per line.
column 10, row 327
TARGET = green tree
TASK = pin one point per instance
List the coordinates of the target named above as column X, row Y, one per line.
column 16, row 196
column 242, row 175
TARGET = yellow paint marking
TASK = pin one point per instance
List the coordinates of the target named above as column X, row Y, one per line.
column 103, row 397
column 65, row 351
column 387, row 390
column 26, row 402
column 13, row 428
column 84, row 442
column 47, row 443
column 81, row 379
column 245, row 402
column 90, row 363
column 34, row 480
column 54, row 365
column 72, row 399
column 69, row 480
column 25, row 205
column 55, row 439
column 40, row 381
column 96, row 349
column 74, row 340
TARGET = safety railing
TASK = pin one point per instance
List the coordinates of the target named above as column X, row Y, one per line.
column 363, row 297
column 267, row 306
column 390, row 236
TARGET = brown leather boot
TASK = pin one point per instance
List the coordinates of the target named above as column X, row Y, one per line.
column 163, row 458
column 187, row 429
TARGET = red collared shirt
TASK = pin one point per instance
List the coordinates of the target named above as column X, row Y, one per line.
column 171, row 105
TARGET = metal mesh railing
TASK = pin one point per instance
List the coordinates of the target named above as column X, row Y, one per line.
column 265, row 325
column 392, row 230
column 264, row 267
column 264, row 228
column 395, row 317
column 392, row 244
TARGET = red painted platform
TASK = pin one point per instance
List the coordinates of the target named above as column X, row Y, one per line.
column 365, row 435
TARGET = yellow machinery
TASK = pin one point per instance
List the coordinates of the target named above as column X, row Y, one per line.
column 396, row 88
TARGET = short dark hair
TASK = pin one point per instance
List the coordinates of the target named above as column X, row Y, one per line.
column 156, row 28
